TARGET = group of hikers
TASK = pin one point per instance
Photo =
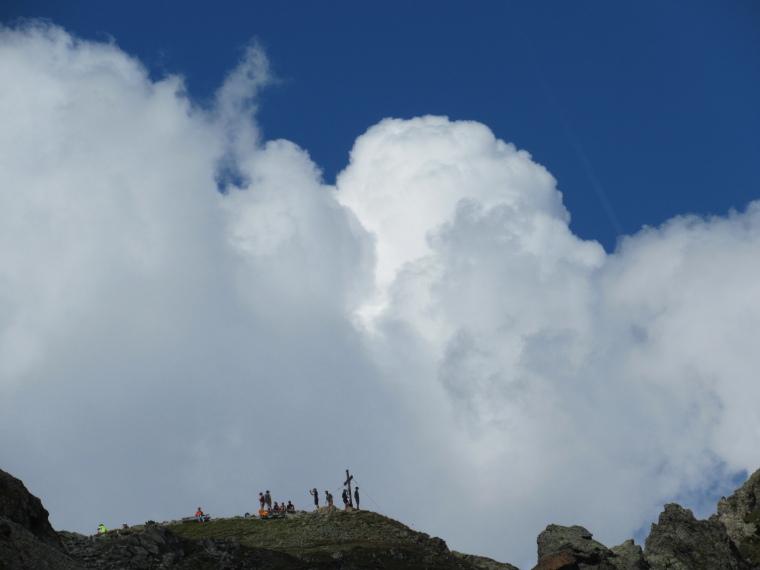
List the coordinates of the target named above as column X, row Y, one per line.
column 345, row 495
column 265, row 502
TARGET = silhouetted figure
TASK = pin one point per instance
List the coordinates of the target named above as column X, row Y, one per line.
column 315, row 493
column 290, row 506
column 328, row 499
column 262, row 500
column 268, row 499
column 344, row 496
column 356, row 497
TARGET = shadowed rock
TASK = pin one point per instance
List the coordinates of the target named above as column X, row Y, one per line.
column 27, row 539
column 569, row 547
column 20, row 506
column 681, row 542
column 628, row 556
column 740, row 514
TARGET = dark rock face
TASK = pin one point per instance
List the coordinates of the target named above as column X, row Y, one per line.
column 680, row 541
column 740, row 514
column 628, row 556
column 21, row 507
column 156, row 547
column 21, row 550
column 729, row 540
column 569, row 547
column 573, row 548
column 27, row 540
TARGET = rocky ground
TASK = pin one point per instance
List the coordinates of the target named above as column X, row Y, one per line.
column 327, row 538
column 348, row 540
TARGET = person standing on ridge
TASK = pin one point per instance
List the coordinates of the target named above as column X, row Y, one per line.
column 315, row 493
column 356, row 498
column 262, row 500
column 344, row 496
column 328, row 499
column 268, row 500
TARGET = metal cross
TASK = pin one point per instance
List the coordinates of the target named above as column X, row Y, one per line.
column 348, row 482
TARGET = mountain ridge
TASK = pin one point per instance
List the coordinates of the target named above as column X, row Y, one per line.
column 358, row 539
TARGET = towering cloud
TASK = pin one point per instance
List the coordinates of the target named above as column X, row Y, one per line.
column 189, row 315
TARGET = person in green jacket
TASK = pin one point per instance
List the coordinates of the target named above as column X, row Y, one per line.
column 102, row 529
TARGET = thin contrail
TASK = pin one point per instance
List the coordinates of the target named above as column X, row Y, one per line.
column 601, row 194
column 569, row 132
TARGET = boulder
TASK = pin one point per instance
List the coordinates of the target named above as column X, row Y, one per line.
column 678, row 541
column 571, row 547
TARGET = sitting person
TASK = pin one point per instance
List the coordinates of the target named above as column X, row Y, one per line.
column 102, row 529
column 201, row 516
column 276, row 506
column 290, row 506
column 124, row 526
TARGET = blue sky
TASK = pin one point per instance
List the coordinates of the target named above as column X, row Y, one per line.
column 650, row 106
column 385, row 264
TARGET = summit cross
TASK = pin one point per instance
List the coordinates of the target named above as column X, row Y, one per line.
column 348, row 483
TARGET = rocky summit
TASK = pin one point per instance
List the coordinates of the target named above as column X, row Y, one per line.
column 729, row 540
column 353, row 539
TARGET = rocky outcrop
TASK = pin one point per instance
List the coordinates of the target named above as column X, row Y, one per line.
column 628, row 556
column 21, row 507
column 157, row 547
column 680, row 541
column 573, row 548
column 677, row 542
column 569, row 547
column 27, row 539
column 729, row 540
column 740, row 514
column 21, row 550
